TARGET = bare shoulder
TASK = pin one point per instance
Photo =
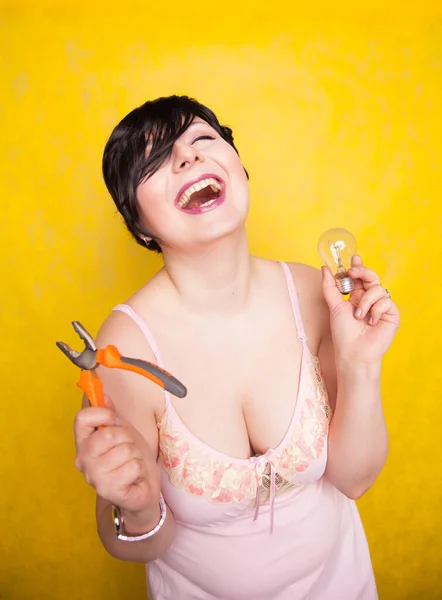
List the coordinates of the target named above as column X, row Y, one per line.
column 137, row 399
column 120, row 330
column 307, row 279
column 315, row 314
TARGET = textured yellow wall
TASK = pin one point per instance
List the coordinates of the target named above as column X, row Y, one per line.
column 337, row 115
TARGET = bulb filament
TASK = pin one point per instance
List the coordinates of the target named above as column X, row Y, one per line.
column 336, row 251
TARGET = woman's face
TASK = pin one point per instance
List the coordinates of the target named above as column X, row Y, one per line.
column 198, row 195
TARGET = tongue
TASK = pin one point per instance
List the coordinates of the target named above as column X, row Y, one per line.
column 199, row 198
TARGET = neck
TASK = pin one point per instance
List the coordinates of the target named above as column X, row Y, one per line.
column 215, row 280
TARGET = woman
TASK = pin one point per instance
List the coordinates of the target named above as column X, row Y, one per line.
column 260, row 464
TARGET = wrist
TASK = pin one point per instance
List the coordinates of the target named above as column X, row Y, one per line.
column 358, row 372
column 355, row 379
column 142, row 518
column 140, row 521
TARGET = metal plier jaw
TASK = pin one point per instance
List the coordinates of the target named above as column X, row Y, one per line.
column 87, row 359
column 91, row 357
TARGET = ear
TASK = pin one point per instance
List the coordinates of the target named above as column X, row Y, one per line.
column 146, row 239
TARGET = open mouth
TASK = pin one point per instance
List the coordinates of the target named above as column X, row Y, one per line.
column 203, row 195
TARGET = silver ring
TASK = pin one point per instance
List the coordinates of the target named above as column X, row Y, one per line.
column 388, row 292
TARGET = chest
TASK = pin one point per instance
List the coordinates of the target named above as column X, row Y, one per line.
column 299, row 459
column 242, row 379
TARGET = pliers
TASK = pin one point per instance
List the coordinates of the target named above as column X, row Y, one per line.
column 90, row 358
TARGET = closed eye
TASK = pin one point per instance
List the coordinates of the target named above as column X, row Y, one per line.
column 203, row 137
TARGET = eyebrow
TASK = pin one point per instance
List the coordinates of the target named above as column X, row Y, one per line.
column 200, row 122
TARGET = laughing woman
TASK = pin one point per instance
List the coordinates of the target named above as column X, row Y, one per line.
column 246, row 488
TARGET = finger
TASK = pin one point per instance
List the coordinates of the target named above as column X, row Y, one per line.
column 368, row 299
column 332, row 295
column 384, row 309
column 355, row 296
column 87, row 420
column 357, row 293
column 109, row 403
column 368, row 277
column 117, row 483
column 356, row 261
column 104, row 440
column 118, row 456
column 129, row 473
column 98, row 445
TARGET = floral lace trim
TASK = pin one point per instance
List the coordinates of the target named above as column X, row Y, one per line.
column 220, row 480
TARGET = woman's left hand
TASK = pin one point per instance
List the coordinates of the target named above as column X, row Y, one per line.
column 363, row 327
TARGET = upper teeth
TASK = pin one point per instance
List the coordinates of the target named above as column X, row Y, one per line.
column 196, row 187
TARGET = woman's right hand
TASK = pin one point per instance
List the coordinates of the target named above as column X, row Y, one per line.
column 118, row 462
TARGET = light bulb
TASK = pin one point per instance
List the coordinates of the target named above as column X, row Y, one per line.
column 336, row 248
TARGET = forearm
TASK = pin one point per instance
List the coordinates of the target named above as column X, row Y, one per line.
column 144, row 551
column 358, row 438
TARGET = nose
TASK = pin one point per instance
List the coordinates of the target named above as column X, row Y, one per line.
column 184, row 156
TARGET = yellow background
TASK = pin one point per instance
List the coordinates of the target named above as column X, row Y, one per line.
column 337, row 115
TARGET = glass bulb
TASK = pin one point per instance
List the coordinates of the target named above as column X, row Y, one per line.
column 336, row 248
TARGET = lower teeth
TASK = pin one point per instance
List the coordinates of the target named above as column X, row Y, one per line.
column 183, row 205
column 208, row 203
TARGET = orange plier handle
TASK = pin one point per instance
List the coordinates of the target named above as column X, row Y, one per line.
column 92, row 386
column 89, row 359
column 110, row 357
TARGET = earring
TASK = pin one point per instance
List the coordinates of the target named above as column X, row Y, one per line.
column 146, row 241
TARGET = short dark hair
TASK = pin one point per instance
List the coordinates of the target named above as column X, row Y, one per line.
column 159, row 122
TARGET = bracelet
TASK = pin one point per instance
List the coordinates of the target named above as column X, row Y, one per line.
column 119, row 524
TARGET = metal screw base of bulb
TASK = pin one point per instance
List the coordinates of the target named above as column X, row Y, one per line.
column 345, row 284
